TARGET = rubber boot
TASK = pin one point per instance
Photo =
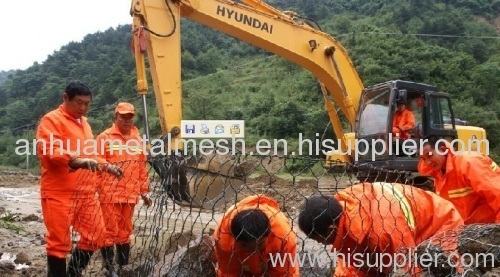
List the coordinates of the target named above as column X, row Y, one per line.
column 107, row 260
column 56, row 267
column 123, row 252
column 78, row 262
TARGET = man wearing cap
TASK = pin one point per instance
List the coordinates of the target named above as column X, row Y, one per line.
column 121, row 144
column 403, row 121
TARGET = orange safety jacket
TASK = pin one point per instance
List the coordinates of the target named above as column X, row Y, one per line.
column 387, row 218
column 404, row 119
column 471, row 182
column 128, row 154
column 234, row 260
column 60, row 138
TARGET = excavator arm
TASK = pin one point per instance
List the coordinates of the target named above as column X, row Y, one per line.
column 157, row 33
column 157, row 36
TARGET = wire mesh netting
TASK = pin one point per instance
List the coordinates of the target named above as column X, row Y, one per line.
column 241, row 216
column 468, row 250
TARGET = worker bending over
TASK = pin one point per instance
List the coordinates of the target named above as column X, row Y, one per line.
column 370, row 219
column 250, row 233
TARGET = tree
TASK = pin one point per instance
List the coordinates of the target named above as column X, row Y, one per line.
column 17, row 115
column 487, row 83
column 285, row 120
column 202, row 106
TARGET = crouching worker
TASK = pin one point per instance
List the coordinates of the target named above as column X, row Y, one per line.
column 375, row 221
column 250, row 235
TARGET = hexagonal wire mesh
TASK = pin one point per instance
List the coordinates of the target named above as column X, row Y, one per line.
column 178, row 234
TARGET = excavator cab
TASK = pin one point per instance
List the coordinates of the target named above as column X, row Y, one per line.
column 392, row 122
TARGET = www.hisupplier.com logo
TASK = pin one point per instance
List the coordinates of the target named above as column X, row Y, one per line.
column 384, row 262
column 300, row 259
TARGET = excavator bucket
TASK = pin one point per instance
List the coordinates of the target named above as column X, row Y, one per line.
column 202, row 182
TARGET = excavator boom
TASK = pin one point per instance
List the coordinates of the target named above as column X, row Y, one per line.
column 157, row 35
column 256, row 23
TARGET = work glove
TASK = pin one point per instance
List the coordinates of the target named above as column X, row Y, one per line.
column 84, row 163
column 93, row 165
column 113, row 170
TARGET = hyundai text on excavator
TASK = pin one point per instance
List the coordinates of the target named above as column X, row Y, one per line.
column 157, row 34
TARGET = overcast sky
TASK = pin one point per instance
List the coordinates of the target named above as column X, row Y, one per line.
column 34, row 29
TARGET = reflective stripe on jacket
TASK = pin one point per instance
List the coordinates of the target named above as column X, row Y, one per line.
column 127, row 153
column 472, row 183
column 385, row 218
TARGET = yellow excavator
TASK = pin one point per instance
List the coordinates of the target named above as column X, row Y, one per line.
column 370, row 111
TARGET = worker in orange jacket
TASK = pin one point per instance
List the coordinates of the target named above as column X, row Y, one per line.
column 248, row 235
column 470, row 181
column 367, row 220
column 403, row 121
column 67, row 191
column 121, row 144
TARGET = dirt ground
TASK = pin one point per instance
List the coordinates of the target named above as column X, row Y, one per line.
column 290, row 192
column 22, row 245
column 21, row 225
column 162, row 231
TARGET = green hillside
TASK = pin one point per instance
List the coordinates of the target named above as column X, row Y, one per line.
column 451, row 44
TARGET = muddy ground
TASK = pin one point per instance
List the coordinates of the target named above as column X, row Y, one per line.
column 168, row 234
column 22, row 230
column 21, row 225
